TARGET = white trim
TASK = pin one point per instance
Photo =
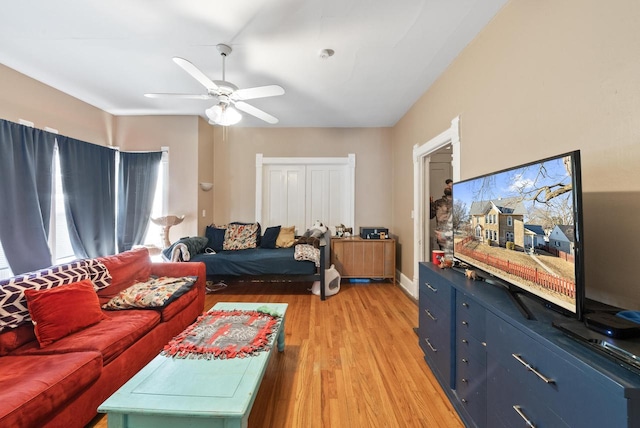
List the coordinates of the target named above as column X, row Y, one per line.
column 450, row 136
column 407, row 285
column 349, row 161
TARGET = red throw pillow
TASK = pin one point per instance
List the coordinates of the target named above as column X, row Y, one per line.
column 60, row 311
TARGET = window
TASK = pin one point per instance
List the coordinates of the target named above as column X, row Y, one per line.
column 160, row 202
column 509, row 221
column 5, row 270
column 59, row 240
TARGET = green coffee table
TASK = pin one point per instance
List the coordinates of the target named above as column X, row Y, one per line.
column 173, row 392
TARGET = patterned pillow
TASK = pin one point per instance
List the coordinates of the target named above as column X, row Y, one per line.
column 13, row 303
column 99, row 274
column 155, row 293
column 240, row 236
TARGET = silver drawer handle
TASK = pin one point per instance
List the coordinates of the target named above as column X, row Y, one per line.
column 465, row 304
column 530, row 368
column 430, row 315
column 430, row 345
column 465, row 323
column 465, row 341
column 523, row 416
column 464, row 360
column 435, row 290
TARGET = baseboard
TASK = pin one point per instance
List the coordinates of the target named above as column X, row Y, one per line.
column 409, row 286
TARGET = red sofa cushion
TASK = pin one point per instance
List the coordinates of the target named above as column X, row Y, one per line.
column 125, row 269
column 31, row 388
column 16, row 337
column 63, row 310
column 110, row 336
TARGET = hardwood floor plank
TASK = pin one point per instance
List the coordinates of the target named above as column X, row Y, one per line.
column 350, row 361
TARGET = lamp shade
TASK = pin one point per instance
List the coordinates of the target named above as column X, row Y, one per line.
column 223, row 114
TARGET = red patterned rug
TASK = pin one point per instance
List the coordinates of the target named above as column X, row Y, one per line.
column 224, row 334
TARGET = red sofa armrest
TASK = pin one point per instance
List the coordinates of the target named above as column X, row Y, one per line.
column 175, row 269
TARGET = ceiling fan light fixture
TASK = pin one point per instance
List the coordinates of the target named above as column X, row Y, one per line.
column 223, row 114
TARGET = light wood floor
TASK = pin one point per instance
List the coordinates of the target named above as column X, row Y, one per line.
column 350, row 361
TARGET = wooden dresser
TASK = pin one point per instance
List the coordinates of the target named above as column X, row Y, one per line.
column 355, row 257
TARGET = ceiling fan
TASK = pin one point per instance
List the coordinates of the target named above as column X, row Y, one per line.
column 229, row 97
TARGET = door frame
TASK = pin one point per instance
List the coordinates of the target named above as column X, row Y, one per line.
column 349, row 185
column 421, row 155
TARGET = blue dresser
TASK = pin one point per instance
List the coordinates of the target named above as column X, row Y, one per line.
column 502, row 370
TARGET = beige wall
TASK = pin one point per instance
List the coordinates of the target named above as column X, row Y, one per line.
column 235, row 165
column 180, row 134
column 205, row 174
column 543, row 78
column 24, row 98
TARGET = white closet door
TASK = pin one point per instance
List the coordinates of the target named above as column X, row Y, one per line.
column 299, row 191
column 284, row 196
column 326, row 195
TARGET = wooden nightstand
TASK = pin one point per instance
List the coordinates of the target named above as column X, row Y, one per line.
column 355, row 257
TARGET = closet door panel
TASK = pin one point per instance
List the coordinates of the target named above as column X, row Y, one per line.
column 284, row 196
column 327, row 195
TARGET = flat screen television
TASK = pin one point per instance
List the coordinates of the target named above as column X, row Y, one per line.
column 522, row 226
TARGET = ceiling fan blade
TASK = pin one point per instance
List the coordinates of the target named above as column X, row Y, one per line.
column 248, row 108
column 183, row 96
column 258, row 92
column 196, row 73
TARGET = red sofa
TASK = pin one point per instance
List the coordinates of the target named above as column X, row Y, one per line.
column 63, row 383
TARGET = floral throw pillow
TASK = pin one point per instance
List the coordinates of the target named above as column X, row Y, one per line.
column 241, row 236
column 155, row 293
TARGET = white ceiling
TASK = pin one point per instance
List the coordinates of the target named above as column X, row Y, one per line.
column 109, row 53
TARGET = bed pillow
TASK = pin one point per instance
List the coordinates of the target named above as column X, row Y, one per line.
column 215, row 237
column 270, row 236
column 258, row 233
column 60, row 311
column 286, row 237
column 240, row 236
column 152, row 294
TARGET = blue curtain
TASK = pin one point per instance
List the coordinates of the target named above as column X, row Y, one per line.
column 138, row 175
column 88, row 181
column 26, row 156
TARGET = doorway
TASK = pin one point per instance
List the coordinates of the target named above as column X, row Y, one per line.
column 442, row 149
column 440, row 168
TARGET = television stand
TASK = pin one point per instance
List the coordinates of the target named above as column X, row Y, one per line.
column 522, row 307
column 514, row 295
column 496, row 366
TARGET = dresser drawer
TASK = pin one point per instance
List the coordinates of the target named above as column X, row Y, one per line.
column 511, row 405
column 434, row 331
column 472, row 395
column 470, row 317
column 576, row 395
column 434, row 289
